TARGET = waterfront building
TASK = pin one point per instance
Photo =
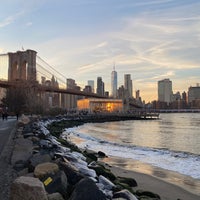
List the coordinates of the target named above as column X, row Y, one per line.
column 165, row 91
column 100, row 105
column 194, row 96
column 91, row 83
column 100, row 86
column 184, row 96
column 114, row 83
column 128, row 85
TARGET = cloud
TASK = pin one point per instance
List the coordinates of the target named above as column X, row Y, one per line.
column 10, row 19
column 151, row 44
column 166, row 75
column 6, row 21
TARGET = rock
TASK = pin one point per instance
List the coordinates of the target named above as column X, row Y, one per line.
column 90, row 155
column 23, row 172
column 45, row 168
column 147, row 194
column 27, row 135
column 55, row 196
column 24, row 188
column 56, row 183
column 86, row 189
column 24, row 119
column 35, row 139
column 101, row 170
column 129, row 181
column 21, row 152
column 72, row 173
column 101, row 154
column 107, row 183
column 38, row 159
column 79, row 156
column 46, row 144
column 124, row 194
column 86, row 171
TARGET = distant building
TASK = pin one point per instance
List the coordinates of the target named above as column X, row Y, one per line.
column 88, row 89
column 193, row 94
column 106, row 94
column 100, row 86
column 165, row 91
column 51, row 99
column 121, row 92
column 128, row 85
column 114, row 84
column 176, row 96
column 71, row 100
column 194, row 97
column 100, row 105
column 137, row 94
column 71, row 84
column 184, row 96
column 91, row 83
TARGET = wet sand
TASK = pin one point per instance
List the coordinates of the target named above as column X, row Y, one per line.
column 169, row 185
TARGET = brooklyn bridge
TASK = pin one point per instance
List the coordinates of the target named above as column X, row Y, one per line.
column 25, row 72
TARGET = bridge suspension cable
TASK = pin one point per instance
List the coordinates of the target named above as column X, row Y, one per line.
column 48, row 71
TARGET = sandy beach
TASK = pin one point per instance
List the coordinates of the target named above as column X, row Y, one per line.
column 168, row 185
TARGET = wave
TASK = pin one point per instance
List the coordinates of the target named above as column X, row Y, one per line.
column 178, row 161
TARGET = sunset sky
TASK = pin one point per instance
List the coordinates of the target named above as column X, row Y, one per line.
column 82, row 39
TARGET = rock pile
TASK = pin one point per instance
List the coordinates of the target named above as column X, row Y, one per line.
column 51, row 168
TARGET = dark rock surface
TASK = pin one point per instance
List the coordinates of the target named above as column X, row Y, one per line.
column 86, row 189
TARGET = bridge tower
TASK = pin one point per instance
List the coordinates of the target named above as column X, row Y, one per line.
column 22, row 66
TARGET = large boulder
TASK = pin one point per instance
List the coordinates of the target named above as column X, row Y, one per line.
column 24, row 188
column 44, row 169
column 86, row 189
column 72, row 173
column 56, row 183
column 106, row 183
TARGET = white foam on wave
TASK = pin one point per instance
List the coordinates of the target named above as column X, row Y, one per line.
column 181, row 162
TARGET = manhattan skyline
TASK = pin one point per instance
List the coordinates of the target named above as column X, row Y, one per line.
column 151, row 40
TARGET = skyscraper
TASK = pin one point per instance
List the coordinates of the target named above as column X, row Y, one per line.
column 165, row 91
column 91, row 83
column 100, row 86
column 128, row 85
column 193, row 93
column 114, row 83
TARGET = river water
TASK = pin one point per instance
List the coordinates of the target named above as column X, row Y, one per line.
column 170, row 143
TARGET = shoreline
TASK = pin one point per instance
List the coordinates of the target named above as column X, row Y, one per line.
column 168, row 189
column 187, row 183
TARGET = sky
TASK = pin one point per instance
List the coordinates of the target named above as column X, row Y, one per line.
column 83, row 39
